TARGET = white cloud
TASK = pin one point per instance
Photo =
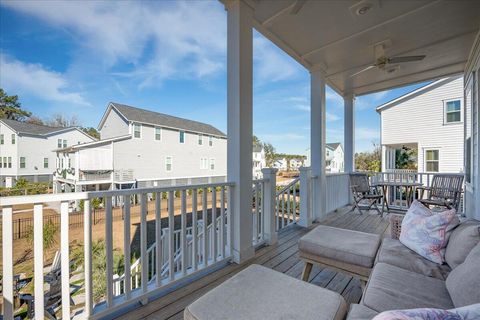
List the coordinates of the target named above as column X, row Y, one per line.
column 35, row 80
column 282, row 137
column 380, row 95
column 364, row 133
column 158, row 40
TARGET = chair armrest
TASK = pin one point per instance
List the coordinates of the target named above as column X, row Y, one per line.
column 396, row 224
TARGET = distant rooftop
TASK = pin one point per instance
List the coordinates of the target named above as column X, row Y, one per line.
column 155, row 118
column 33, row 129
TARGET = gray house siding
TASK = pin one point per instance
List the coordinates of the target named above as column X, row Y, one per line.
column 114, row 126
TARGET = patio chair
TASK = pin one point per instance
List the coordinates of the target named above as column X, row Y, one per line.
column 445, row 191
column 362, row 191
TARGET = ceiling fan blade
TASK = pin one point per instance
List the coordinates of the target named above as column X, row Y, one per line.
column 405, row 59
column 297, row 6
column 363, row 70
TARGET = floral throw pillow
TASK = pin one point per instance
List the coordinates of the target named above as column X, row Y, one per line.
column 427, row 232
column 471, row 312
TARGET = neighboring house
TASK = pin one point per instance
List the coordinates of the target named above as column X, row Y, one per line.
column 142, row 148
column 430, row 120
column 26, row 150
column 280, row 164
column 334, row 157
column 295, row 163
column 259, row 161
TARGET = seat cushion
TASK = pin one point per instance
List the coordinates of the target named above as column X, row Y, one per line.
column 352, row 247
column 462, row 240
column 261, row 293
column 463, row 282
column 393, row 252
column 360, row 312
column 427, row 232
column 394, row 288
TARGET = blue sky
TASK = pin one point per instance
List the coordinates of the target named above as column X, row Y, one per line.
column 74, row 57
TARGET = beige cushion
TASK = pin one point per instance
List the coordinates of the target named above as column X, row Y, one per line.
column 462, row 240
column 393, row 288
column 360, row 312
column 393, row 252
column 463, row 283
column 261, row 293
column 353, row 247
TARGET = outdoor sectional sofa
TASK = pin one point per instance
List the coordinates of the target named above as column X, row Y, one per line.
column 398, row 278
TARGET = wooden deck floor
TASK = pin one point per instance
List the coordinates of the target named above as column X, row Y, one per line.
column 282, row 257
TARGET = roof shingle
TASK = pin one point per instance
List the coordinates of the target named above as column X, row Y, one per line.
column 30, row 128
column 160, row 119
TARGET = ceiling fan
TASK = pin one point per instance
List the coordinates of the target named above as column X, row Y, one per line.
column 383, row 62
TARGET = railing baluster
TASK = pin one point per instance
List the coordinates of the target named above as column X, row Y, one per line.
column 158, row 238
column 171, row 239
column 38, row 260
column 87, row 252
column 109, row 249
column 126, row 246
column 183, row 238
column 65, row 259
column 143, row 241
column 295, row 202
column 7, row 255
column 194, row 230
column 255, row 214
column 288, row 206
column 205, row 225
column 262, row 211
column 214, row 224
column 230, row 201
column 222, row 221
column 277, row 213
column 283, row 209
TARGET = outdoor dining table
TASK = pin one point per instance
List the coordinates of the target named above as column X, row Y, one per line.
column 410, row 188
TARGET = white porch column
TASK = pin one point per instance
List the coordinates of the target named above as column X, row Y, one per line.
column 269, row 205
column 384, row 158
column 317, row 143
column 305, row 198
column 240, row 126
column 349, row 130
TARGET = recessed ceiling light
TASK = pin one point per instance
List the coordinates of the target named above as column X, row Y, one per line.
column 364, row 9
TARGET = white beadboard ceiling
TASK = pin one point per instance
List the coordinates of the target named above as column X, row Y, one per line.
column 328, row 35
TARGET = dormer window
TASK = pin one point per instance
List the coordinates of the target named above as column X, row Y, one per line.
column 137, row 130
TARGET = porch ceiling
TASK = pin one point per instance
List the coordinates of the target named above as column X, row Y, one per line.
column 328, row 35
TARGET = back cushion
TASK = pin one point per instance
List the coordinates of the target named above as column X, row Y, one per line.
column 463, row 282
column 462, row 240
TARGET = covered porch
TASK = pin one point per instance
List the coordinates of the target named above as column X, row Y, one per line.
column 218, row 229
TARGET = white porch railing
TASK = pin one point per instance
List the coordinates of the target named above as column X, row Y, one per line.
column 183, row 252
column 258, row 212
column 288, row 204
column 338, row 191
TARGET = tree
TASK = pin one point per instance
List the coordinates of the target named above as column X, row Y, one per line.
column 270, row 154
column 256, row 142
column 91, row 132
column 369, row 160
column 10, row 107
column 406, row 158
column 59, row 120
column 34, row 120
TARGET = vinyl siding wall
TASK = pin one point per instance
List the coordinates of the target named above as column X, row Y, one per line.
column 420, row 120
column 114, row 126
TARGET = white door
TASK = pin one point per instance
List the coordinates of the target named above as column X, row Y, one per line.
column 8, row 182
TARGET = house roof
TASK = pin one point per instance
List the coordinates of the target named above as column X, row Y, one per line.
column 415, row 93
column 34, row 129
column 155, row 118
column 257, row 148
column 334, row 145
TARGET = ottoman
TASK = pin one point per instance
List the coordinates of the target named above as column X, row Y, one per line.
column 346, row 251
column 261, row 293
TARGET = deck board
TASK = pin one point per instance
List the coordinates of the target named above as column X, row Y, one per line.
column 282, row 257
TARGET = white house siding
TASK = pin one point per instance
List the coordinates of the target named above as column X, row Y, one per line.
column 35, row 149
column 114, row 126
column 147, row 156
column 420, row 120
column 7, row 149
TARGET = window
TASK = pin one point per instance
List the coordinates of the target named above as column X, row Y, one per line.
column 453, row 110
column 59, row 143
column 432, row 160
column 203, row 163
column 22, row 162
column 9, row 162
column 137, row 130
column 69, row 163
column 45, row 163
column 13, row 138
column 182, row 136
column 168, row 163
column 200, row 139
column 4, row 162
column 212, row 164
column 158, row 134
column 64, row 143
column 210, row 141
column 2, row 139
